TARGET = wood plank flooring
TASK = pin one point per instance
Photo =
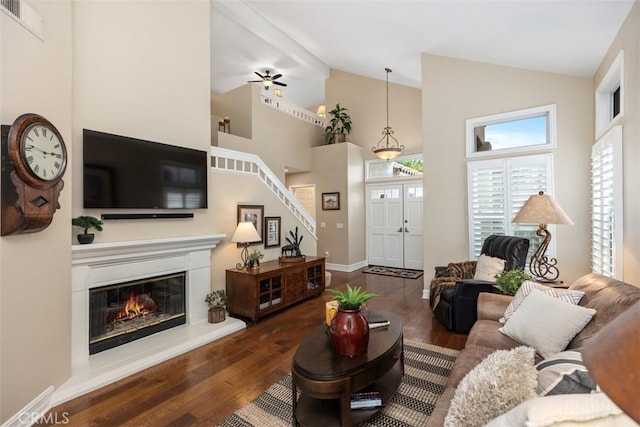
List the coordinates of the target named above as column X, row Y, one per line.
column 206, row 385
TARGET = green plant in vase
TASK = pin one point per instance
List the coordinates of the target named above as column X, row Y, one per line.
column 339, row 125
column 217, row 301
column 510, row 281
column 352, row 298
column 86, row 222
column 349, row 329
column 253, row 260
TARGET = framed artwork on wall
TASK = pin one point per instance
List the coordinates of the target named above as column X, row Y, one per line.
column 331, row 201
column 255, row 214
column 272, row 232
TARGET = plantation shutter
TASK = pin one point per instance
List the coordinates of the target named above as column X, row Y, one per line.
column 606, row 200
column 498, row 189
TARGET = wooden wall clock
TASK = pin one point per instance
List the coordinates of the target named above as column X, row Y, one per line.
column 34, row 159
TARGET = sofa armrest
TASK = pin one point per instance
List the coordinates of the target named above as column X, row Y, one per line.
column 492, row 306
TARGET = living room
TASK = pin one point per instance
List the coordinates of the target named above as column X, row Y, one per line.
column 107, row 66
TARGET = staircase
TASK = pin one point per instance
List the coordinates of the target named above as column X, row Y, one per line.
column 223, row 159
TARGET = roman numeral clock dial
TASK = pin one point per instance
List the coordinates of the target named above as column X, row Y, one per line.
column 38, row 158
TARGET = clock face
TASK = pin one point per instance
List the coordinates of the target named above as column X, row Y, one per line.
column 43, row 152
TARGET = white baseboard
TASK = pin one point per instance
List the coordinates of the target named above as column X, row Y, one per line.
column 35, row 410
column 425, row 293
column 346, row 268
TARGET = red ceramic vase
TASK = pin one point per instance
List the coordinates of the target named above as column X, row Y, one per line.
column 349, row 332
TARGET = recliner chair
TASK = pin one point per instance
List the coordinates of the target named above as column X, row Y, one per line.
column 454, row 292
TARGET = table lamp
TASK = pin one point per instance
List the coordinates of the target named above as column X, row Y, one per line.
column 244, row 235
column 542, row 209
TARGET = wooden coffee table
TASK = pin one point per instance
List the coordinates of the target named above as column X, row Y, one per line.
column 326, row 379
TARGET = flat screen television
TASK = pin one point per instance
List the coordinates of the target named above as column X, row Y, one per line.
column 129, row 173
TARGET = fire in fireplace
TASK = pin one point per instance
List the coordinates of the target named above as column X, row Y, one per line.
column 124, row 312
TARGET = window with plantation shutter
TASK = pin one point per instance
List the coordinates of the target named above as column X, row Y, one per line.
column 497, row 190
column 606, row 201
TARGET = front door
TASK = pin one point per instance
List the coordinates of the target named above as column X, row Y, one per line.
column 394, row 225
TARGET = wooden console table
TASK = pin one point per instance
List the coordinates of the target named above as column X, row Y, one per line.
column 253, row 294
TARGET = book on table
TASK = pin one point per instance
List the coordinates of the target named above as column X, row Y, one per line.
column 365, row 400
column 377, row 321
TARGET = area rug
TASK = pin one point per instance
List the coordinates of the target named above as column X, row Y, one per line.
column 396, row 272
column 426, row 370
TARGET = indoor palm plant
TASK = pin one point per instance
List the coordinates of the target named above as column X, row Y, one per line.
column 510, row 281
column 339, row 125
column 349, row 328
column 86, row 222
column 217, row 301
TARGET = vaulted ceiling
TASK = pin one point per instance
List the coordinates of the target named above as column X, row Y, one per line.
column 304, row 39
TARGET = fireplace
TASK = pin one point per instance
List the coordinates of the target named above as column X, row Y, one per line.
column 121, row 313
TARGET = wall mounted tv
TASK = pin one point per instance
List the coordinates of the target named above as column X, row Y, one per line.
column 128, row 173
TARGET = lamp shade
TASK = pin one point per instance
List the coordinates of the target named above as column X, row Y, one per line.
column 541, row 209
column 245, row 233
column 322, row 110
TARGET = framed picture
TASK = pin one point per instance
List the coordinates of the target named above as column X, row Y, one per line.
column 330, row 201
column 255, row 214
column 272, row 232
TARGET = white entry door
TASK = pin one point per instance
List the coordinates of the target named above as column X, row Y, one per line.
column 394, row 225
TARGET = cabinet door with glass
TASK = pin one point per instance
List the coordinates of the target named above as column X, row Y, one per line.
column 315, row 279
column 270, row 292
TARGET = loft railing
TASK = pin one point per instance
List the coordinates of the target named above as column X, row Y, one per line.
column 223, row 159
column 293, row 110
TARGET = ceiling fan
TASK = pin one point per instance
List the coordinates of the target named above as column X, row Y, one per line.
column 267, row 79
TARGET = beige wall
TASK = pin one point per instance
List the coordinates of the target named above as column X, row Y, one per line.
column 35, row 269
column 455, row 90
column 235, row 105
column 628, row 39
column 366, row 100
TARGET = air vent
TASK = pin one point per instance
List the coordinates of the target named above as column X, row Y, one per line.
column 22, row 12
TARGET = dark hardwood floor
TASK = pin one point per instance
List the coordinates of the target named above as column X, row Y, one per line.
column 204, row 386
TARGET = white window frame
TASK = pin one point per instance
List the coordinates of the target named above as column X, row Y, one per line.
column 607, row 173
column 613, row 79
column 546, row 110
column 368, row 163
column 510, row 200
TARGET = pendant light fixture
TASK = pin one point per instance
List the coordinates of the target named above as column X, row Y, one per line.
column 390, row 149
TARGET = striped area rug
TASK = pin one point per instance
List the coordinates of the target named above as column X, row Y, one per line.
column 395, row 272
column 426, row 370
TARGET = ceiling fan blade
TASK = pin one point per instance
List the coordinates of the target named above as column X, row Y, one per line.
column 260, row 75
column 277, row 76
column 255, row 81
column 279, row 84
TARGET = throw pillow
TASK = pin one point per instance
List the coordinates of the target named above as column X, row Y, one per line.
column 572, row 297
column 546, row 323
column 566, row 410
column 564, row 373
column 487, row 267
column 500, row 382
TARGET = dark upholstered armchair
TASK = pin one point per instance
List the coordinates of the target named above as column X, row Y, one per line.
column 454, row 292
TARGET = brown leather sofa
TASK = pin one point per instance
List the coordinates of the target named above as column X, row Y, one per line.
column 609, row 297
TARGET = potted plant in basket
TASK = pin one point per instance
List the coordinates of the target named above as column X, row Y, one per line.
column 339, row 125
column 510, row 281
column 349, row 329
column 253, row 260
column 86, row 222
column 217, row 301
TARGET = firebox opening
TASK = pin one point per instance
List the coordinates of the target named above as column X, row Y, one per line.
column 125, row 312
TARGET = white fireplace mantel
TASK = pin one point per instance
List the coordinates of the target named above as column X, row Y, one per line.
column 101, row 264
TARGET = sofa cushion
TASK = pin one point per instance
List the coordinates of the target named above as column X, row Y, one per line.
column 500, row 382
column 485, row 334
column 564, row 373
column 488, row 267
column 570, row 296
column 546, row 323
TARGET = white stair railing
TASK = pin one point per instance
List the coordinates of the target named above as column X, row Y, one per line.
column 223, row 159
column 293, row 110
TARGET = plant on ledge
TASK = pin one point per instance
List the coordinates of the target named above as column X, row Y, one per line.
column 510, row 281
column 339, row 125
column 87, row 222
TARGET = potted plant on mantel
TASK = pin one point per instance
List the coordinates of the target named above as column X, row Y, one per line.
column 86, row 222
column 339, row 125
column 217, row 301
column 349, row 329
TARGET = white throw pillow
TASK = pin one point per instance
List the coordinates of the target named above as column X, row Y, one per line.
column 500, row 382
column 546, row 323
column 565, row 410
column 570, row 296
column 487, row 267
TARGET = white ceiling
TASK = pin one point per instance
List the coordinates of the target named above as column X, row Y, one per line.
column 303, row 39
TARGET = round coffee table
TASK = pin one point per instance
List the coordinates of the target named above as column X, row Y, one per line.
column 326, row 379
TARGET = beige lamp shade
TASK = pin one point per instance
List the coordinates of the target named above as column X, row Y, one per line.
column 245, row 233
column 322, row 110
column 541, row 209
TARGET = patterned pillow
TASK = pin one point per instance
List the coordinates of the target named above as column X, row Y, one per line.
column 564, row 373
column 566, row 295
column 487, row 267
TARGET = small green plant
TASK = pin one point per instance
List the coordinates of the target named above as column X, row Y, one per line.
column 217, row 299
column 87, row 222
column 254, row 258
column 352, row 298
column 510, row 281
column 340, row 123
